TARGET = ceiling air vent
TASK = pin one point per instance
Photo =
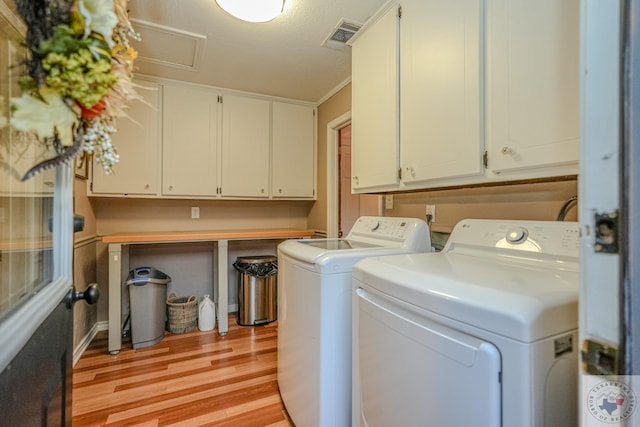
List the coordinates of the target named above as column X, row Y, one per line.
column 341, row 34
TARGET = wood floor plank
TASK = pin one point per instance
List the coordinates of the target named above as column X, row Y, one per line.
column 193, row 379
column 186, row 386
column 119, row 410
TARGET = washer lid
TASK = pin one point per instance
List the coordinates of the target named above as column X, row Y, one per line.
column 524, row 302
column 330, row 261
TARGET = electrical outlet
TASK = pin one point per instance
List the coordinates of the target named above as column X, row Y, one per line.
column 195, row 212
column 388, row 201
column 431, row 213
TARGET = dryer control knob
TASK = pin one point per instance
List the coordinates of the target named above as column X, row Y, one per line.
column 517, row 235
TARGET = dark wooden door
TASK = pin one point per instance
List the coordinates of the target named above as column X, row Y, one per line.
column 36, row 249
column 35, row 388
column 36, row 306
column 36, row 257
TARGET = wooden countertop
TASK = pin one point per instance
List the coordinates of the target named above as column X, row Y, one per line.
column 204, row 235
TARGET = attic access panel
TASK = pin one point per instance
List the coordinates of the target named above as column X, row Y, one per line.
column 168, row 46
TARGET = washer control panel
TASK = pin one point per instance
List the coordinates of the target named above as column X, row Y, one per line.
column 377, row 226
column 546, row 237
column 410, row 233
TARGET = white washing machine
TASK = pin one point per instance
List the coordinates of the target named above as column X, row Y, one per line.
column 314, row 314
column 482, row 334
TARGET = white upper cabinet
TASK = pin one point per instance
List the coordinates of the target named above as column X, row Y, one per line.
column 416, row 96
column 440, row 87
column 467, row 92
column 293, row 151
column 138, row 144
column 533, row 84
column 246, row 126
column 375, row 106
column 190, row 138
column 189, row 141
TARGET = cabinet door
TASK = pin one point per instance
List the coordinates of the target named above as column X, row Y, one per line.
column 533, row 83
column 190, row 134
column 374, row 111
column 245, row 146
column 440, row 86
column 293, row 164
column 138, row 144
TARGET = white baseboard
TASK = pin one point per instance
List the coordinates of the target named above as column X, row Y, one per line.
column 103, row 326
column 84, row 344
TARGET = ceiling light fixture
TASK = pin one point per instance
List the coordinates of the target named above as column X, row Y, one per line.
column 252, row 10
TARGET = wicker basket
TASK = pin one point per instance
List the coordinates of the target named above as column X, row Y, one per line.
column 182, row 313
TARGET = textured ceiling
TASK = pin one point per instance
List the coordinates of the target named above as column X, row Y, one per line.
column 282, row 58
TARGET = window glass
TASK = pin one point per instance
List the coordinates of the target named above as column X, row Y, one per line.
column 26, row 208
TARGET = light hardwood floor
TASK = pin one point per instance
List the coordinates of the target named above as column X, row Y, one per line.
column 192, row 379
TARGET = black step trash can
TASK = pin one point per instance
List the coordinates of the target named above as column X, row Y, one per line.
column 147, row 297
column 257, row 289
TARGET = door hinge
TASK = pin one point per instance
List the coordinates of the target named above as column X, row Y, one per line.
column 400, row 173
column 91, row 186
column 399, row 11
column 219, row 99
column 485, row 159
column 600, row 359
column 606, row 230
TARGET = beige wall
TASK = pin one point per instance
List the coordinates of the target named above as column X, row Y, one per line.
column 119, row 214
column 329, row 110
column 84, row 264
column 536, row 201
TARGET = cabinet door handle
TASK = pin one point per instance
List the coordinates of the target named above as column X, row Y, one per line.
column 280, row 190
column 170, row 187
column 507, row 151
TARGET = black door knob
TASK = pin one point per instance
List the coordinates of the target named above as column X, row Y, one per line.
column 90, row 295
column 78, row 223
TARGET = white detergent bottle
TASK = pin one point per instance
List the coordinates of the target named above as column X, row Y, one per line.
column 206, row 314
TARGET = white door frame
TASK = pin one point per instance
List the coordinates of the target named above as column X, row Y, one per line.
column 333, row 174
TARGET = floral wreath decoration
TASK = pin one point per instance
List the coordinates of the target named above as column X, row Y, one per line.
column 78, row 77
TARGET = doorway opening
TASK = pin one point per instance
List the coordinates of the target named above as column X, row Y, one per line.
column 350, row 206
column 368, row 204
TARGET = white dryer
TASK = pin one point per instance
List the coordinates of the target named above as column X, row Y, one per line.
column 482, row 334
column 314, row 314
